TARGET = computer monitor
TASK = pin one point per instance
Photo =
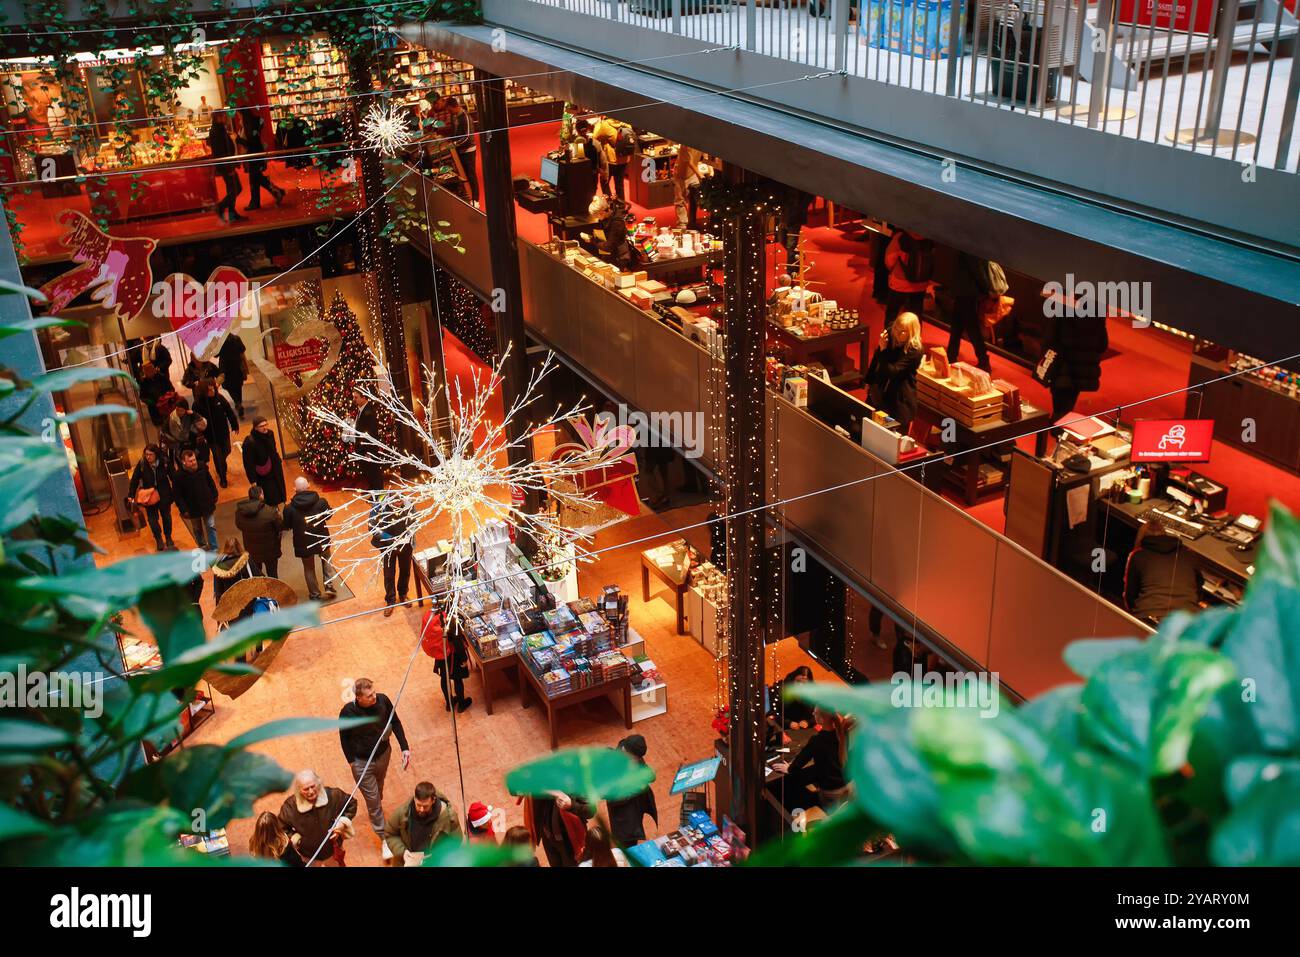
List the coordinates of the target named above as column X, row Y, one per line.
column 550, row 171
column 835, row 407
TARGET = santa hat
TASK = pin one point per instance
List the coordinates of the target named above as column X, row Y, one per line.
column 480, row 816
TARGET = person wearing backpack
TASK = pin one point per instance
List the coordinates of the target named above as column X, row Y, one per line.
column 974, row 280
column 307, row 515
column 910, row 261
column 619, row 142
column 450, row 656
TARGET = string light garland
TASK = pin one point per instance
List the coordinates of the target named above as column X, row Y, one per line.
column 386, row 130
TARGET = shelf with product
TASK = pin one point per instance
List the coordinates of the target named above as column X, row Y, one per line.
column 140, row 655
column 306, row 78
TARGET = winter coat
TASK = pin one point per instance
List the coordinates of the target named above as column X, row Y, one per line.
column 626, row 817
column 153, row 476
column 230, row 359
column 1080, row 343
column 195, row 492
column 891, row 378
column 899, row 256
column 221, row 419
column 228, row 570
column 260, row 525
column 196, row 373
column 152, row 388
column 307, row 514
column 259, row 448
column 397, row 829
column 1158, row 580
column 313, row 823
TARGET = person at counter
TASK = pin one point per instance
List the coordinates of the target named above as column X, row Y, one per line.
column 819, row 765
column 686, row 176
column 891, row 377
column 794, row 713
column 1157, row 579
column 596, row 154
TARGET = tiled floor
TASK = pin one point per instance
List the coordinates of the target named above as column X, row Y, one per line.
column 468, row 756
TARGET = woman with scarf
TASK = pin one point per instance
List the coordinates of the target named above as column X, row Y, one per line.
column 231, row 567
column 262, row 462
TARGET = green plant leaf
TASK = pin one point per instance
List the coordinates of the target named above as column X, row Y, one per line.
column 1264, row 644
column 1279, row 552
column 1056, row 714
column 452, row 852
column 97, row 591
column 592, row 773
column 8, row 286
column 221, row 782
column 91, row 411
column 287, row 726
column 1263, row 829
column 836, row 841
column 1142, row 705
column 61, row 379
column 31, row 736
column 15, row 824
column 31, row 325
column 1088, row 654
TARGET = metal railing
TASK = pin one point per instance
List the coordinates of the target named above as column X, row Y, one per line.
column 1213, row 76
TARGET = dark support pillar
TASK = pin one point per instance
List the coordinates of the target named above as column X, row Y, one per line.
column 499, row 204
column 745, row 471
column 382, row 268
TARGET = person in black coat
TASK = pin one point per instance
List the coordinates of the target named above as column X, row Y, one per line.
column 1158, row 580
column 307, row 515
column 891, row 377
column 819, row 764
column 260, row 525
column 222, row 146
column 153, row 386
column 222, row 424
column 151, row 472
column 196, row 499
column 794, row 713
column 162, row 359
column 1080, row 344
column 251, row 142
column 969, row 287
column 232, row 566
column 390, row 521
column 627, row 815
column 370, row 474
column 196, row 372
column 262, row 462
column 234, row 369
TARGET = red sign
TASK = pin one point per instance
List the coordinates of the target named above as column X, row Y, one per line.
column 295, row 360
column 1172, row 440
column 1169, row 14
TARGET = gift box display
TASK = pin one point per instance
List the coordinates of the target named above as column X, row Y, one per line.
column 920, row 28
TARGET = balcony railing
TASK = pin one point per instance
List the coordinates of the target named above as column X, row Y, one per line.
column 1211, row 76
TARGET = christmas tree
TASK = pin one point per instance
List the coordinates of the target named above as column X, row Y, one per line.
column 323, row 452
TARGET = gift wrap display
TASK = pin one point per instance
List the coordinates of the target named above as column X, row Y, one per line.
column 966, row 393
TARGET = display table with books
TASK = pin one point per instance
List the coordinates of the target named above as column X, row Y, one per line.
column 697, row 843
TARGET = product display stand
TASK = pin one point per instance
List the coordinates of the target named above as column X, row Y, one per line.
column 557, row 703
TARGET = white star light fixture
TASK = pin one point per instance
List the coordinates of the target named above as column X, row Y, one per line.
column 387, row 130
column 459, row 474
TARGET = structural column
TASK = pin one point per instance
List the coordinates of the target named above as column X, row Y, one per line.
column 745, row 471
column 507, row 293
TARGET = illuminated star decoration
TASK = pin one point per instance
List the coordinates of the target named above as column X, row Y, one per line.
column 385, row 130
column 459, row 472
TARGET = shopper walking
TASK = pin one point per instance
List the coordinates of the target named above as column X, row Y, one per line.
column 559, row 823
column 1079, row 343
column 262, row 462
column 211, row 405
column 251, row 142
column 443, row 640
column 270, row 841
column 460, row 133
column 417, row 825
column 196, row 499
column 972, row 284
column 910, row 261
column 364, row 425
column 390, row 523
column 162, row 359
column 261, row 526
column 366, row 747
column 153, row 385
column 891, row 377
column 686, row 176
column 233, row 363
column 151, row 489
column 627, row 815
column 318, row 819
column 222, row 146
column 619, row 143
column 307, row 516
column 597, row 154
column 196, row 372
column 177, row 433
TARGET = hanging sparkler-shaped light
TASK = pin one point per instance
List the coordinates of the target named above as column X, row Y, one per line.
column 457, row 474
column 387, row 130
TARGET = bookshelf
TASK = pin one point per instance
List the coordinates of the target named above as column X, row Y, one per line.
column 415, row 74
column 305, row 78
column 140, row 655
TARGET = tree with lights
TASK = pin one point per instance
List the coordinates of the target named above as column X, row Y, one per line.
column 324, row 453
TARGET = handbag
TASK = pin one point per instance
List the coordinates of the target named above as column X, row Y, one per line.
column 1048, row 367
column 264, row 468
column 146, row 497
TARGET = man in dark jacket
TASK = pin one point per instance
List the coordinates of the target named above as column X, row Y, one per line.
column 969, row 287
column 1080, row 342
column 212, row 406
column 260, row 525
column 414, row 827
column 307, row 515
column 366, row 423
column 1158, row 580
column 391, row 522
column 626, row 816
column 315, row 813
column 361, row 741
column 196, row 499
column 234, row 368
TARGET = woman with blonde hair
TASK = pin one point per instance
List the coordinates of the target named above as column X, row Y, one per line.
column 270, row 841
column 891, row 377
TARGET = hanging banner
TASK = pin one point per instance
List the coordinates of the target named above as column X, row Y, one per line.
column 114, row 268
column 294, row 360
column 1173, row 15
column 203, row 314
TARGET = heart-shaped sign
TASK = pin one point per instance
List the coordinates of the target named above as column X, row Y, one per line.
column 203, row 315
column 317, row 329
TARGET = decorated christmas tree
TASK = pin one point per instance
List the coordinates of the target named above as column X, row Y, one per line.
column 324, row 454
